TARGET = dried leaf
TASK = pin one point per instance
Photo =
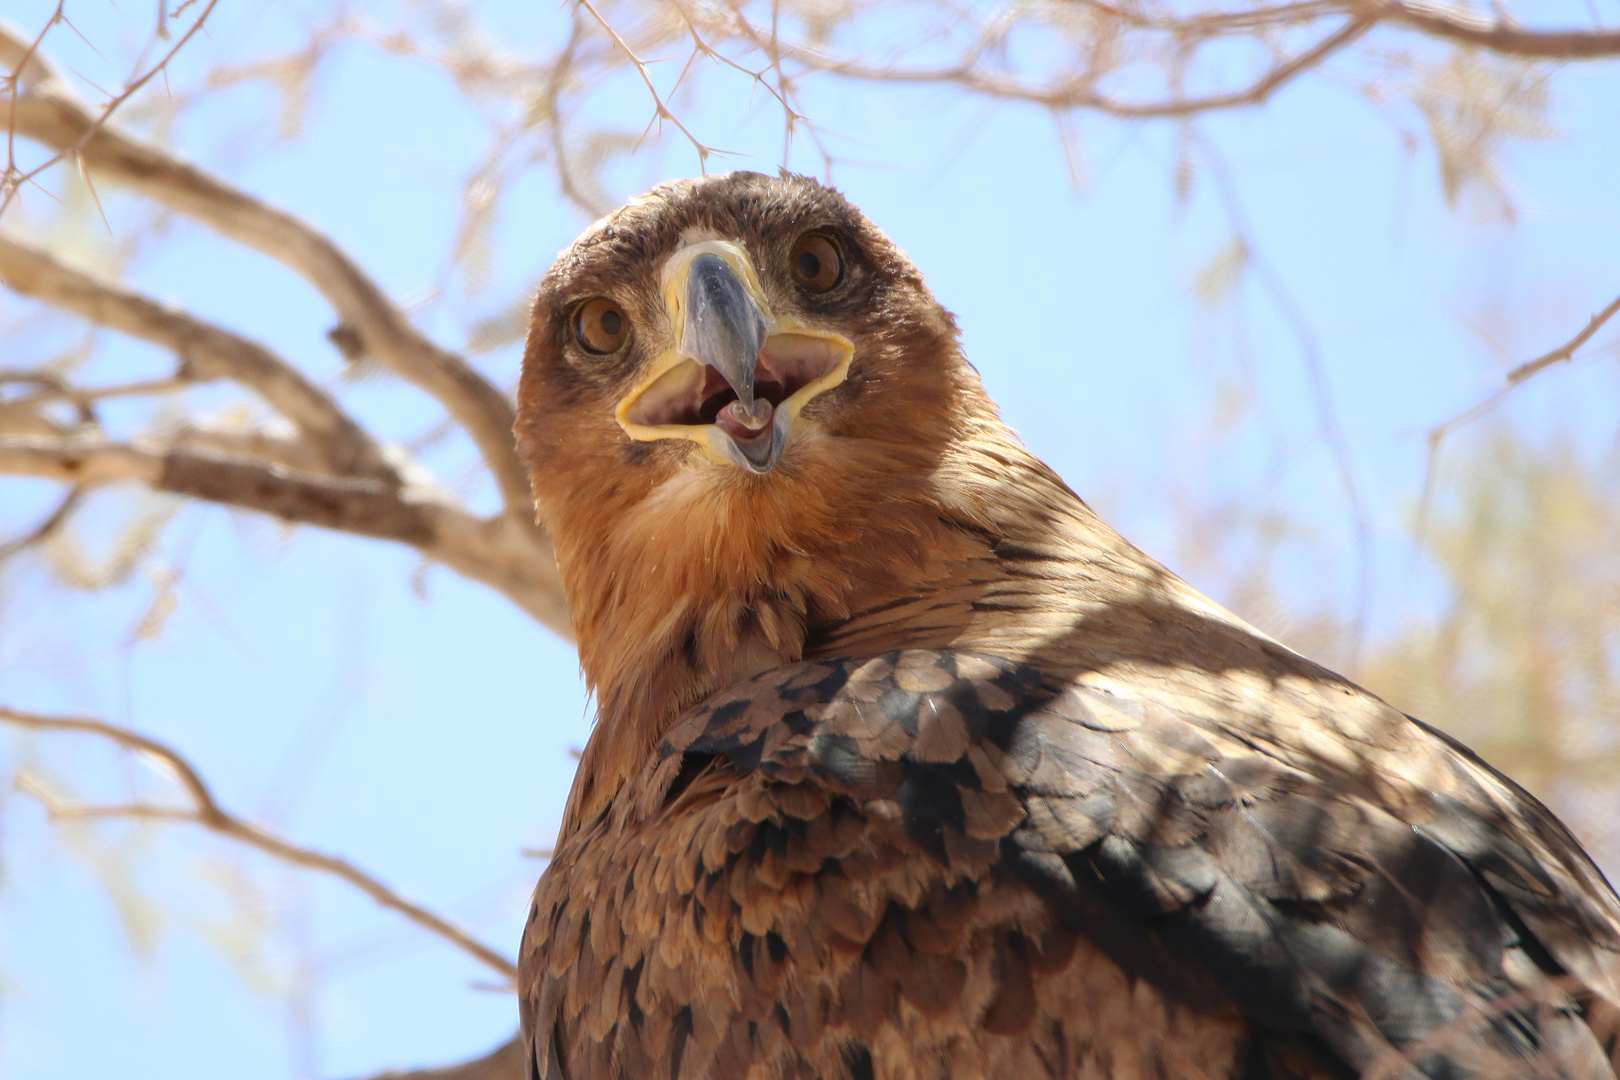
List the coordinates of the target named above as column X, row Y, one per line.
column 164, row 601
column 1473, row 104
column 73, row 565
column 1221, row 274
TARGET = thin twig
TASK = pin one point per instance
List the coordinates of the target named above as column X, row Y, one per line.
column 1316, row 373
column 53, row 384
column 13, row 180
column 47, row 528
column 207, row 812
column 552, row 96
column 28, row 68
column 168, row 384
column 1567, row 350
column 1515, row 378
column 662, row 111
column 782, row 91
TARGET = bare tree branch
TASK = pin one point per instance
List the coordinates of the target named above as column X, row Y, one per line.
column 505, row 1062
column 86, row 395
column 1071, row 89
column 206, row 811
column 491, row 550
column 1458, row 23
column 1454, row 22
column 256, row 472
column 1079, row 91
column 49, row 114
column 251, row 444
column 207, row 352
column 77, row 460
column 1212, row 23
column 21, row 415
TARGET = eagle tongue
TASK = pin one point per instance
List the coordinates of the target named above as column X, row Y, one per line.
column 742, row 423
column 755, row 449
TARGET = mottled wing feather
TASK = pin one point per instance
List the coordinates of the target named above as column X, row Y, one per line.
column 1346, row 920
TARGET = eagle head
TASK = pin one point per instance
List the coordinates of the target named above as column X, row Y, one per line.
column 732, row 329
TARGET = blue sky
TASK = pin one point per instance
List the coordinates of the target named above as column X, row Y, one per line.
column 424, row 733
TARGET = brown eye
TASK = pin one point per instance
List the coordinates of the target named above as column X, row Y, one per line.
column 601, row 326
column 815, row 263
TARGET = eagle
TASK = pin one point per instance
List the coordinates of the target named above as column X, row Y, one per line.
column 908, row 767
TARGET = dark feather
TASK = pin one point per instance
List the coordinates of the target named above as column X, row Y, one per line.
column 1235, row 884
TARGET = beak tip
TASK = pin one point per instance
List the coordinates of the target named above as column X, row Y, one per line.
column 755, row 456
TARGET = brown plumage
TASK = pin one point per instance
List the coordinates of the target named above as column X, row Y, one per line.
column 907, row 766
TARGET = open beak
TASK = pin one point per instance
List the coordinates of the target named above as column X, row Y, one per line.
column 737, row 377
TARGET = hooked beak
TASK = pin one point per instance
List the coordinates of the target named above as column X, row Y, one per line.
column 725, row 329
column 738, row 377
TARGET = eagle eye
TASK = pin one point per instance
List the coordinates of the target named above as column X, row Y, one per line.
column 601, row 326
column 815, row 263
